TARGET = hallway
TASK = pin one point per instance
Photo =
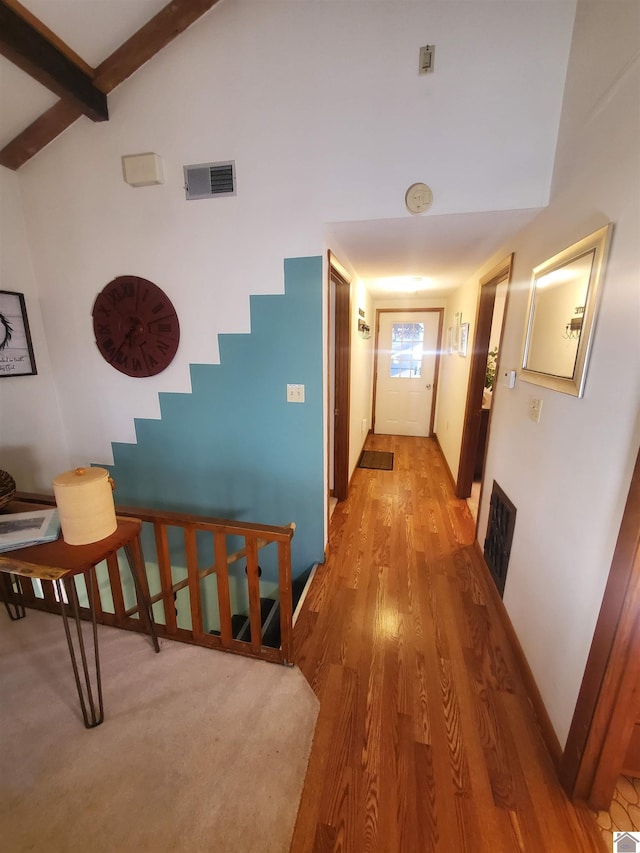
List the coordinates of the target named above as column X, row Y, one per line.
column 425, row 738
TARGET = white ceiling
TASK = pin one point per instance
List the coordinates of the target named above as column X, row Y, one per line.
column 22, row 100
column 94, row 28
column 445, row 249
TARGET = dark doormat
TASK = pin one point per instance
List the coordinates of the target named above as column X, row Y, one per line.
column 380, row 459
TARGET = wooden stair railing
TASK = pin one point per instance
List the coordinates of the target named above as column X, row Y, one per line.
column 255, row 537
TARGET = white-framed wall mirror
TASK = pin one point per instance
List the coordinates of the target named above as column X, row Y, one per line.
column 561, row 315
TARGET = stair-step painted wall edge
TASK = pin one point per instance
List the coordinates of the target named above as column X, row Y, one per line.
column 234, row 447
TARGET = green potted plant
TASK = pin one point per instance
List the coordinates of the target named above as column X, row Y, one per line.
column 490, row 375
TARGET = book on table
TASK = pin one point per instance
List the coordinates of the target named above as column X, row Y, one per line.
column 22, row 529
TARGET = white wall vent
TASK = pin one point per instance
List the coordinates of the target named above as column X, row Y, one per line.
column 209, row 180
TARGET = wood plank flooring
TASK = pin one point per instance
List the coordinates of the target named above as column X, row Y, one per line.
column 425, row 739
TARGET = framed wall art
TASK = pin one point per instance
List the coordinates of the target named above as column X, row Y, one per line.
column 464, row 339
column 16, row 351
column 457, row 321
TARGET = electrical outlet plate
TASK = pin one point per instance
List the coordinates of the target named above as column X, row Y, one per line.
column 295, row 393
column 535, row 409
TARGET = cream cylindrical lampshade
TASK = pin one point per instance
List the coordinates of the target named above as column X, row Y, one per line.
column 85, row 505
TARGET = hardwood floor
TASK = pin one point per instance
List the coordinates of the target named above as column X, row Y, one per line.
column 425, row 738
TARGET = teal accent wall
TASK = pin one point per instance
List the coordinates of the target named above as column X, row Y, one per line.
column 234, row 448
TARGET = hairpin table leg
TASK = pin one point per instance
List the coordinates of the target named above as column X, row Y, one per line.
column 12, row 597
column 94, row 714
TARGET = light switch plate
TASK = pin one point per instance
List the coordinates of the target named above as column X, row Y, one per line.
column 427, row 55
column 295, row 393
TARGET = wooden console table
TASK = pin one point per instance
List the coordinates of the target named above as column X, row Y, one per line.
column 58, row 562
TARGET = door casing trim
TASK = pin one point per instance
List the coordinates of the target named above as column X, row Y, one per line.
column 598, row 735
column 471, row 424
column 342, row 365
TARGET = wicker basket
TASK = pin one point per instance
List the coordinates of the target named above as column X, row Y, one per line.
column 7, row 488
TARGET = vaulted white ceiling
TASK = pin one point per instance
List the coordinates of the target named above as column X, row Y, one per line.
column 93, row 30
column 443, row 246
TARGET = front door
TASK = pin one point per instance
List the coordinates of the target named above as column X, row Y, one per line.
column 406, row 367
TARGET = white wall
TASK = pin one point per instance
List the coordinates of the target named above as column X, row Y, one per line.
column 454, row 375
column 569, row 475
column 32, row 440
column 321, row 107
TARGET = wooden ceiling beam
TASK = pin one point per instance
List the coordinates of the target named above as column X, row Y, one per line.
column 37, row 24
column 169, row 22
column 158, row 32
column 29, row 49
column 40, row 133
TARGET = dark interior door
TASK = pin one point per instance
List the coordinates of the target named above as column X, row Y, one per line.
column 341, row 398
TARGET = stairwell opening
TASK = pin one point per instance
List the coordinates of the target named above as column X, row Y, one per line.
column 270, row 613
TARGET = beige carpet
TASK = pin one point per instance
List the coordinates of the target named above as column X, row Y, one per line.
column 199, row 751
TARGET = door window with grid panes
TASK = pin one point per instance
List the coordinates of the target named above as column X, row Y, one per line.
column 406, row 350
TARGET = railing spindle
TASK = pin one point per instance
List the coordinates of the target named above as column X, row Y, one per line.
column 49, row 596
column 191, row 548
column 92, row 578
column 286, row 604
column 222, row 577
column 116, row 588
column 255, row 619
column 28, row 591
column 166, row 578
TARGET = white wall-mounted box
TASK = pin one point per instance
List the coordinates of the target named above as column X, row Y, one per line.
column 509, row 378
column 142, row 170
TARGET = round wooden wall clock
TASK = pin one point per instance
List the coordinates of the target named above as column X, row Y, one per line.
column 136, row 326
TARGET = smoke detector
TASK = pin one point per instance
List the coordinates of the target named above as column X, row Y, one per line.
column 418, row 198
